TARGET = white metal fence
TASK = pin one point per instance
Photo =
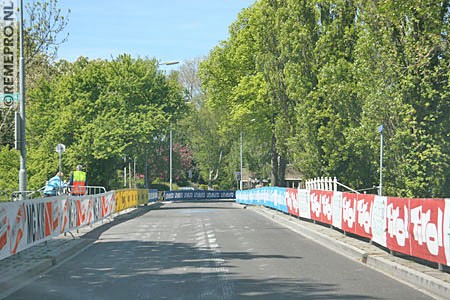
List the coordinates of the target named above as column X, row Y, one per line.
column 326, row 184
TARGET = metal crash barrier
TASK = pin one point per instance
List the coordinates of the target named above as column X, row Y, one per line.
column 67, row 190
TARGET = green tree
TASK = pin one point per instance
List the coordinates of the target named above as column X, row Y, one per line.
column 44, row 23
column 102, row 111
column 404, row 47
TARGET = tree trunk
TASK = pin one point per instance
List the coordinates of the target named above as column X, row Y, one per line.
column 274, row 175
column 282, row 162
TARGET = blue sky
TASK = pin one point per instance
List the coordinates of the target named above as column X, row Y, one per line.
column 168, row 30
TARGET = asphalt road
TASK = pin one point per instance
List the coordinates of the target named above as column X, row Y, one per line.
column 208, row 251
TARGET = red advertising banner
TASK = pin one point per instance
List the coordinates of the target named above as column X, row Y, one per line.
column 3, row 231
column 48, row 216
column 64, row 215
column 427, row 229
column 349, row 212
column 84, row 211
column 292, row 202
column 321, row 206
column 416, row 227
column 107, row 206
column 397, row 215
column 363, row 224
column 17, row 227
column 447, row 230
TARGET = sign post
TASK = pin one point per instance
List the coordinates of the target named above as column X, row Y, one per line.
column 60, row 148
column 380, row 131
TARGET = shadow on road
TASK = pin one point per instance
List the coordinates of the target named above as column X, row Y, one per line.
column 166, row 270
column 139, row 211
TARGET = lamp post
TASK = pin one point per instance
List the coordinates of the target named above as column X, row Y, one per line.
column 169, row 63
column 170, row 156
column 380, row 131
column 240, row 154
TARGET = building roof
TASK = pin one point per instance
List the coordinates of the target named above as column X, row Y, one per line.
column 291, row 174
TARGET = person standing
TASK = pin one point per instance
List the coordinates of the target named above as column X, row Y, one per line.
column 54, row 185
column 78, row 181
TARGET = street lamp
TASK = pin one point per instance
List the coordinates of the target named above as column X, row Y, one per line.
column 380, row 131
column 169, row 63
column 170, row 155
column 241, row 158
column 240, row 153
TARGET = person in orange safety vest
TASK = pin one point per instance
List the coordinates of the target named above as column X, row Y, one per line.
column 78, row 182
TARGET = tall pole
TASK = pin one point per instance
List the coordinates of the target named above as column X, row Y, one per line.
column 134, row 172
column 240, row 180
column 23, row 166
column 130, row 170
column 169, row 63
column 125, row 171
column 380, row 130
column 146, row 169
column 60, row 161
column 170, row 157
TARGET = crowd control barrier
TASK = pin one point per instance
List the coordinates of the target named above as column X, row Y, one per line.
column 129, row 198
column 152, row 195
column 412, row 226
column 24, row 224
column 198, row 195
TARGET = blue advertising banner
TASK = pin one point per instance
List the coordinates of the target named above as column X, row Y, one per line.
column 198, row 195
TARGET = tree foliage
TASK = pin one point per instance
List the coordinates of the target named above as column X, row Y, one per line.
column 304, row 82
column 103, row 111
column 327, row 74
column 44, row 23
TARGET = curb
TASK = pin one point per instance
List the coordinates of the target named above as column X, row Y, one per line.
column 81, row 245
column 10, row 285
column 378, row 259
column 415, row 278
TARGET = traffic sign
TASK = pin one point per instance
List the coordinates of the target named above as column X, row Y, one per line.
column 60, row 148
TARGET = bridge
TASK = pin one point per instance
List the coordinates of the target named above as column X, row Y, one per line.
column 266, row 243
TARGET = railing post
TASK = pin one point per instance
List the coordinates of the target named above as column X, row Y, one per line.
column 335, row 184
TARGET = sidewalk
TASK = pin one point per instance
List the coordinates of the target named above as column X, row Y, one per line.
column 428, row 279
column 18, row 269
